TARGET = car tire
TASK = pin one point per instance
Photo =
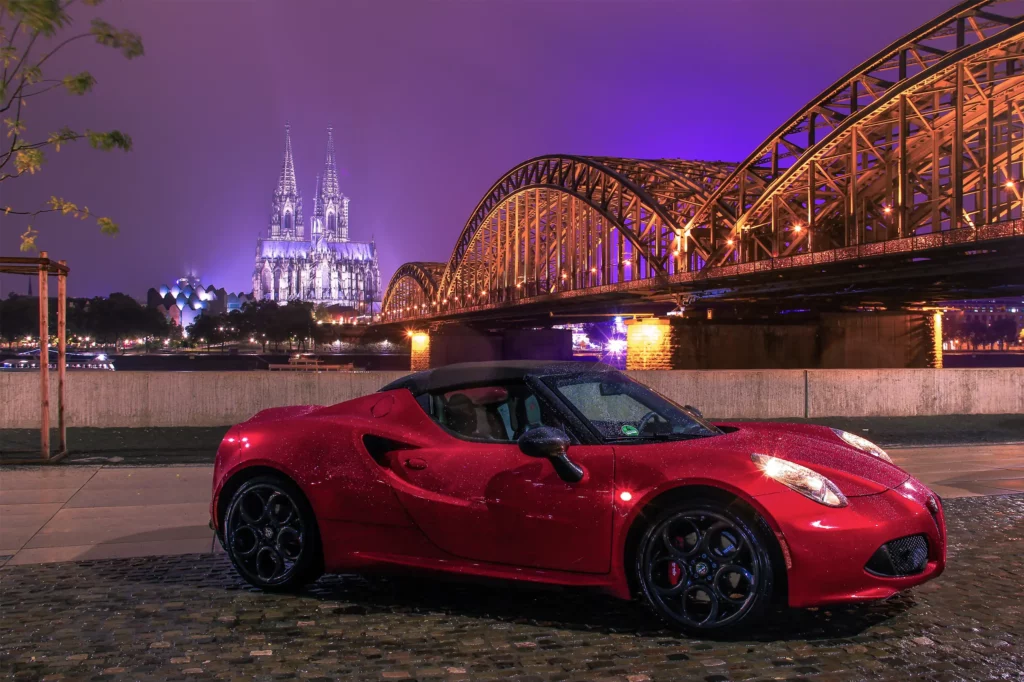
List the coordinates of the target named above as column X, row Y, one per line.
column 704, row 566
column 271, row 535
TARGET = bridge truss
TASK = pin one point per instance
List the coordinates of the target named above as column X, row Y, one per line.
column 920, row 147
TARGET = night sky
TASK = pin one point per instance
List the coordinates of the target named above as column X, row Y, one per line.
column 430, row 101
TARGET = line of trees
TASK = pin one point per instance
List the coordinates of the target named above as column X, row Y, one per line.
column 116, row 318
column 1001, row 332
column 105, row 320
column 298, row 325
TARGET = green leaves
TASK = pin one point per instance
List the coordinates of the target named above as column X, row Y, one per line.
column 114, row 139
column 15, row 126
column 28, row 239
column 108, row 226
column 79, row 84
column 28, row 161
column 129, row 42
column 65, row 134
column 23, row 79
column 42, row 16
column 32, row 74
column 8, row 55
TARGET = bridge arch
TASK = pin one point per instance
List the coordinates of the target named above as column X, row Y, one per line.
column 411, row 290
column 555, row 223
column 911, row 150
column 941, row 152
column 728, row 236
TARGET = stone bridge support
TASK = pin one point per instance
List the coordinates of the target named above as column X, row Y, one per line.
column 451, row 344
column 853, row 340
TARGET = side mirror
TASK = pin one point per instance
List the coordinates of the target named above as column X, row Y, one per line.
column 691, row 408
column 551, row 444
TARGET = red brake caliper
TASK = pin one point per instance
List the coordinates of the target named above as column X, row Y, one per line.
column 674, row 573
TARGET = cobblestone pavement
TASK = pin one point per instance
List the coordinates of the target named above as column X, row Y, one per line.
column 190, row 617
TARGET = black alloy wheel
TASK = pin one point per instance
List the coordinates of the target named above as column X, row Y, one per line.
column 703, row 566
column 271, row 535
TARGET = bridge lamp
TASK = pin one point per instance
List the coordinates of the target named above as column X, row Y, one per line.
column 887, row 210
column 446, row 300
column 626, row 262
column 593, row 270
column 797, row 227
column 730, row 241
column 1010, row 184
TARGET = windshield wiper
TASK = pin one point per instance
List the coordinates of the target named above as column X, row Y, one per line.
column 660, row 437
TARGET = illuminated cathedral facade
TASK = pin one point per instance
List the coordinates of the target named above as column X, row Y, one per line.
column 323, row 266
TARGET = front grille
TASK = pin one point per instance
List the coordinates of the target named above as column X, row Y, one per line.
column 900, row 557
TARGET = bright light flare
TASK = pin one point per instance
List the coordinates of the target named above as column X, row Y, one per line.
column 807, row 482
column 625, row 496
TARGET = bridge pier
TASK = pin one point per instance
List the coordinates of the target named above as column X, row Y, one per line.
column 854, row 340
column 453, row 343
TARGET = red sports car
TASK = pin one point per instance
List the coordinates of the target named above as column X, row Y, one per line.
column 573, row 474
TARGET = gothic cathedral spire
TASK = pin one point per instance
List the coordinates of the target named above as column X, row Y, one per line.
column 331, row 204
column 286, row 212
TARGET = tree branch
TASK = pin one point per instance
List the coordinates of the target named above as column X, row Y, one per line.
column 14, row 137
column 23, row 60
column 60, row 46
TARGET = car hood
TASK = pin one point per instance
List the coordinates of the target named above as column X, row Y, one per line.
column 818, row 448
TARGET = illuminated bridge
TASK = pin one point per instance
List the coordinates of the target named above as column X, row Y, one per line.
column 905, row 175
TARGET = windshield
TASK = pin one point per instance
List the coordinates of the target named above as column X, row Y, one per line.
column 620, row 409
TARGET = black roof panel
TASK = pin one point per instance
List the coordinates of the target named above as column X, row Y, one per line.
column 469, row 373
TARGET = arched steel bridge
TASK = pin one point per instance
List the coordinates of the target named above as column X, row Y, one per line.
column 915, row 157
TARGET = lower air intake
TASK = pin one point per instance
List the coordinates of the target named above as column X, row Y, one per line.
column 900, row 557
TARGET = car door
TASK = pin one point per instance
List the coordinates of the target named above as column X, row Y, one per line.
column 478, row 497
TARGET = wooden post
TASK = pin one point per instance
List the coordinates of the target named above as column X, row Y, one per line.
column 62, row 342
column 44, row 356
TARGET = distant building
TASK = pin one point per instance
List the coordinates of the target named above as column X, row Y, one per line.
column 325, row 267
column 987, row 310
column 963, row 322
column 187, row 299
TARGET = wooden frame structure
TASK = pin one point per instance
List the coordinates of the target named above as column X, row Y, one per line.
column 43, row 268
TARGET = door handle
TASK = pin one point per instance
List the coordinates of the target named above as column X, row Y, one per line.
column 415, row 463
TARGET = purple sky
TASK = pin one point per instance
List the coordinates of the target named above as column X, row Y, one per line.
column 430, row 101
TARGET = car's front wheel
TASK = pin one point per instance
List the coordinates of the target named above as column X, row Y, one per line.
column 704, row 566
column 271, row 535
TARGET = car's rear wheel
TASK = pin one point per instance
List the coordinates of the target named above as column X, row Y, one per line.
column 704, row 566
column 271, row 534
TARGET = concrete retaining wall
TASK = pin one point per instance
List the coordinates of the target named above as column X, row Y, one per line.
column 135, row 399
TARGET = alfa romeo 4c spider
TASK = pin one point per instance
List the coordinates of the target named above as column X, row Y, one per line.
column 573, row 474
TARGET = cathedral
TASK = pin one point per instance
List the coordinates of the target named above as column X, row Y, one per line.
column 324, row 267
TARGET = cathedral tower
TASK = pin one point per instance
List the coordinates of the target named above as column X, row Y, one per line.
column 286, row 210
column 331, row 204
column 325, row 267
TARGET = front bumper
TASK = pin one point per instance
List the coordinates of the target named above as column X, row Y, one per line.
column 827, row 548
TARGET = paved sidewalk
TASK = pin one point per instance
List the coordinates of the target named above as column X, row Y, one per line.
column 67, row 513
column 89, row 512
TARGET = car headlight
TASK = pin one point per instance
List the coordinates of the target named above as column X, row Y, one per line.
column 863, row 444
column 807, row 482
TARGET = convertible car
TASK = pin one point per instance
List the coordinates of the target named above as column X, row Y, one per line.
column 573, row 474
